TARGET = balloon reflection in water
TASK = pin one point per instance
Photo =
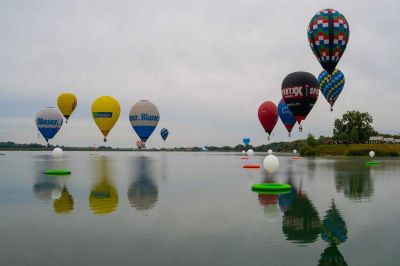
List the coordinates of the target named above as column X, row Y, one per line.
column 301, row 223
column 143, row 191
column 64, row 204
column 332, row 257
column 103, row 197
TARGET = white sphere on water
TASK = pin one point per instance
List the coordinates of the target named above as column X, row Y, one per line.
column 56, row 193
column 57, row 152
column 250, row 152
column 243, row 152
column 269, row 152
column 371, row 154
column 294, row 151
column 271, row 163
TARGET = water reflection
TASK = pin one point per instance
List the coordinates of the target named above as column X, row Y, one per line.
column 103, row 198
column 334, row 232
column 353, row 179
column 143, row 191
column 48, row 188
column 301, row 223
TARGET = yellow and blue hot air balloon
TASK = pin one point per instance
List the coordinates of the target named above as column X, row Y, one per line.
column 144, row 117
column 49, row 121
column 164, row 134
column 66, row 103
column 105, row 112
column 331, row 85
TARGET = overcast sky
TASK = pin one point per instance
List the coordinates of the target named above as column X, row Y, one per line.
column 207, row 65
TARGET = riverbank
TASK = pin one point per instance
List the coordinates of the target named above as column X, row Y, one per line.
column 390, row 150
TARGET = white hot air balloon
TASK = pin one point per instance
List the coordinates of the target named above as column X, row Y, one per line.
column 49, row 121
column 250, row 152
column 144, row 117
column 271, row 163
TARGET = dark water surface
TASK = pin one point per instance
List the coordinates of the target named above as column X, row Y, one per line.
column 148, row 208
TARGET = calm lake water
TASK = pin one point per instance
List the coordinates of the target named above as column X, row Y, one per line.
column 150, row 208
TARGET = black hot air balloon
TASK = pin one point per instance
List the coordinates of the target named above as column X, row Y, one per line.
column 328, row 34
column 300, row 92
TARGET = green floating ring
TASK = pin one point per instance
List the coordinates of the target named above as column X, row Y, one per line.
column 372, row 163
column 58, row 172
column 271, row 187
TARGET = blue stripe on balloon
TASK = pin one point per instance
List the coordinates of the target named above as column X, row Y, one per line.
column 144, row 132
column 48, row 133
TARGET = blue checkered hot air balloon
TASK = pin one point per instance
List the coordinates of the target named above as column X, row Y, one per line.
column 164, row 133
column 331, row 85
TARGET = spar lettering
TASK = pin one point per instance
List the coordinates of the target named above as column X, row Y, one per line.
column 42, row 121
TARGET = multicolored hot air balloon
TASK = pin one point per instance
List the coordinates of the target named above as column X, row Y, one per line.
column 49, row 121
column 105, row 112
column 328, row 34
column 246, row 141
column 164, row 133
column 286, row 116
column 268, row 116
column 300, row 92
column 66, row 103
column 331, row 85
column 144, row 117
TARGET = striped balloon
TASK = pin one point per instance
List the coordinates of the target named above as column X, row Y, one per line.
column 164, row 133
column 331, row 85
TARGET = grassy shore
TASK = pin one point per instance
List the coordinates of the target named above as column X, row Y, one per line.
column 358, row 149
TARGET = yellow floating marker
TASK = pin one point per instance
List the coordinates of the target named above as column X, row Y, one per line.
column 66, row 103
column 105, row 112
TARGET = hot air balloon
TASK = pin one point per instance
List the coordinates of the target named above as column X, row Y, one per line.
column 246, row 141
column 328, row 34
column 49, row 121
column 66, row 103
column 144, row 117
column 268, row 116
column 140, row 144
column 164, row 133
column 286, row 116
column 331, row 85
column 300, row 92
column 105, row 112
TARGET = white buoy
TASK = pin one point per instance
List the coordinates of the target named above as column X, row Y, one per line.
column 250, row 152
column 243, row 152
column 56, row 193
column 269, row 152
column 57, row 152
column 271, row 163
column 371, row 154
column 294, row 151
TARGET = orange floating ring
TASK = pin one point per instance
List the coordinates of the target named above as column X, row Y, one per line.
column 251, row 166
column 244, row 158
column 295, row 158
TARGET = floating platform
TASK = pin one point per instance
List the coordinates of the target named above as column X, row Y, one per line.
column 296, row 158
column 251, row 166
column 244, row 158
column 58, row 172
column 372, row 163
column 271, row 188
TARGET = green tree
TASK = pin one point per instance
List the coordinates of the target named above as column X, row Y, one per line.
column 357, row 120
column 354, row 135
column 311, row 141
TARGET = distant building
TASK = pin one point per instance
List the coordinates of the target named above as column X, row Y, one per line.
column 375, row 140
column 388, row 140
column 396, row 141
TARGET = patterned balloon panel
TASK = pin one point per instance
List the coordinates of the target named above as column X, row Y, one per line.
column 286, row 116
column 164, row 133
column 331, row 85
column 328, row 35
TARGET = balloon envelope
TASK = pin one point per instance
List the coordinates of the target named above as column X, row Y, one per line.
column 66, row 102
column 105, row 112
column 49, row 121
column 300, row 92
column 328, row 34
column 164, row 133
column 246, row 141
column 144, row 117
column 268, row 116
column 331, row 85
column 286, row 116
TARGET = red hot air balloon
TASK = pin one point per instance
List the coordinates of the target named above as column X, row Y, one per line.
column 268, row 116
column 300, row 92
